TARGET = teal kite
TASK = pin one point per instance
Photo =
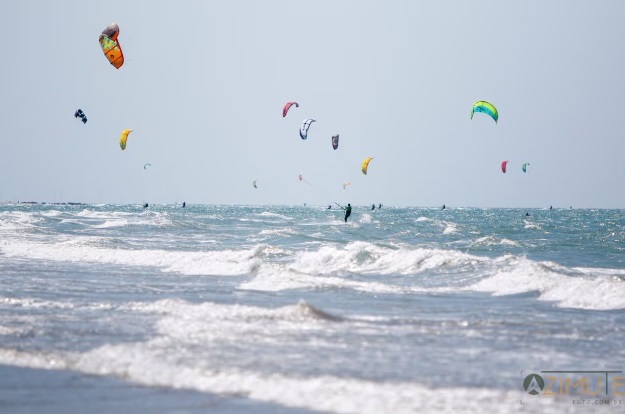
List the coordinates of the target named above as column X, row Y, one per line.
column 524, row 167
column 487, row 108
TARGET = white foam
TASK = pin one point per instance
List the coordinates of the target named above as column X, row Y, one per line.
column 278, row 279
column 11, row 220
column 286, row 231
column 586, row 288
column 104, row 214
column 530, row 225
column 112, row 223
column 450, row 228
column 35, row 303
column 276, row 215
column 365, row 218
column 51, row 213
column 367, row 258
column 79, row 249
column 492, row 241
column 329, row 266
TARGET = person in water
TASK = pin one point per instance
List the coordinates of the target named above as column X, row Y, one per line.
column 348, row 211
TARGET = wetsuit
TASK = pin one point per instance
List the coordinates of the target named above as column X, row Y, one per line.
column 348, row 211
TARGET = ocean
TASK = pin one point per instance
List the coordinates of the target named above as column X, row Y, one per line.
column 288, row 309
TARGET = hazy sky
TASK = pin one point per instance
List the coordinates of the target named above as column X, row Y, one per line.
column 204, row 83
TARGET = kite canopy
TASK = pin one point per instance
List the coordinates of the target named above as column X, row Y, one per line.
column 335, row 141
column 145, row 166
column 487, row 108
column 110, row 46
column 524, row 167
column 287, row 107
column 303, row 130
column 80, row 114
column 345, row 185
column 123, row 138
column 254, row 184
column 503, row 166
column 365, row 165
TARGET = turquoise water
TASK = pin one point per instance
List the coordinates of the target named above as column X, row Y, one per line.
column 289, row 308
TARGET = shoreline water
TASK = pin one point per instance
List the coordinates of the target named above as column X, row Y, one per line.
column 44, row 391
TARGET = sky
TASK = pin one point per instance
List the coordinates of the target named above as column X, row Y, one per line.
column 204, row 83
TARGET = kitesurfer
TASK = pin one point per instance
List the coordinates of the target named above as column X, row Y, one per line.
column 330, row 207
column 372, row 206
column 380, row 206
column 348, row 211
column 527, row 214
column 145, row 205
column 184, row 204
column 443, row 207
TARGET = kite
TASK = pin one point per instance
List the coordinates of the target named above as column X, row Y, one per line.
column 110, row 46
column 287, row 107
column 145, row 166
column 254, row 184
column 303, row 130
column 80, row 114
column 301, row 178
column 335, row 141
column 123, row 138
column 365, row 165
column 345, row 185
column 524, row 167
column 487, row 108
column 503, row 166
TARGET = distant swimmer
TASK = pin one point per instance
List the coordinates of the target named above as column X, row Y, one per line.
column 372, row 206
column 348, row 211
column 527, row 214
column 443, row 207
column 145, row 205
column 184, row 204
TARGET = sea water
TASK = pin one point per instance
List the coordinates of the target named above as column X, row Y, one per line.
column 291, row 309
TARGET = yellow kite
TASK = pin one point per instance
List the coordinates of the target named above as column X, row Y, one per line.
column 365, row 165
column 123, row 138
